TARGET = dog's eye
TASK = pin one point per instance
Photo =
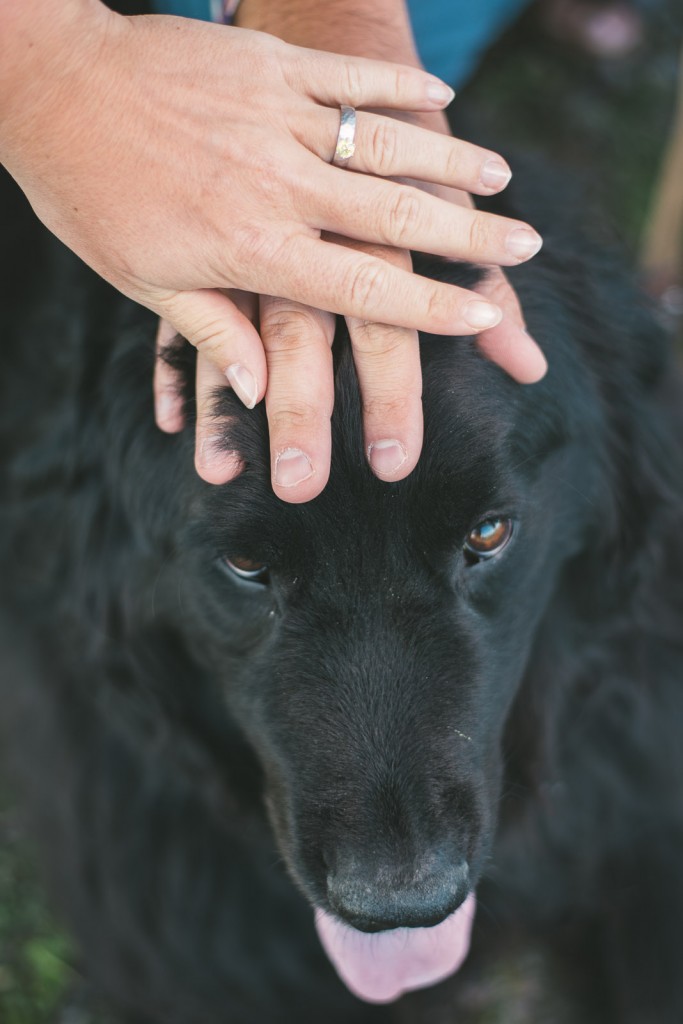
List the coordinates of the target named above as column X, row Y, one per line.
column 247, row 569
column 487, row 538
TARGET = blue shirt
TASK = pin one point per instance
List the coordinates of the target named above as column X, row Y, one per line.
column 451, row 35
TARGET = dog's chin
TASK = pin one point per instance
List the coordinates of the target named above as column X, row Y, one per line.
column 379, row 967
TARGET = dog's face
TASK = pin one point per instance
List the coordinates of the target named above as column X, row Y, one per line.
column 370, row 643
column 374, row 648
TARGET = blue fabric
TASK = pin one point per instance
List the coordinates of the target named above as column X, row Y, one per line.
column 200, row 9
column 451, row 35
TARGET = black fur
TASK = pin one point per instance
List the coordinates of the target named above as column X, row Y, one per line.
column 397, row 710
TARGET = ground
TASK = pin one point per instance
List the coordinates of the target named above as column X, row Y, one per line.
column 607, row 119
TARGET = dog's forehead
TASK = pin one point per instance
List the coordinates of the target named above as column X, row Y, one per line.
column 470, row 408
column 479, row 425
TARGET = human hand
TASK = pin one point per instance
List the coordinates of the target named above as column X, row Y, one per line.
column 182, row 160
column 299, row 398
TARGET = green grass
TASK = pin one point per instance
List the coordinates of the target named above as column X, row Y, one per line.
column 35, row 955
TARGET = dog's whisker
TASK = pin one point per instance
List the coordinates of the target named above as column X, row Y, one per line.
column 577, row 490
column 462, row 735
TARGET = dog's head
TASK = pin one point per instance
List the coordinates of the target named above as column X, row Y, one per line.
column 370, row 643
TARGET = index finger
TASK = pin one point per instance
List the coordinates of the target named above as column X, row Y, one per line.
column 327, row 275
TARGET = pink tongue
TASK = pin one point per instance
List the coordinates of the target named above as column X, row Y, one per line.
column 381, row 966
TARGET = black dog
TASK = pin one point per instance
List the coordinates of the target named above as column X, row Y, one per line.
column 467, row 682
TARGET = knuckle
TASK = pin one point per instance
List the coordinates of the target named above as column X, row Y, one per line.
column 253, row 245
column 403, row 218
column 287, row 329
column 454, row 164
column 379, row 340
column 353, row 84
column 440, row 311
column 294, row 419
column 366, row 286
column 209, row 338
column 389, row 409
column 478, row 235
column 383, row 147
column 404, row 83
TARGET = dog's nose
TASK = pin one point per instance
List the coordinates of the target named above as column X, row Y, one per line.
column 382, row 898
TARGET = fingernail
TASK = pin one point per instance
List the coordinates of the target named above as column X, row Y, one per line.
column 495, row 174
column 243, row 384
column 523, row 243
column 169, row 411
column 482, row 314
column 292, row 466
column 387, row 456
column 439, row 92
column 537, row 364
column 210, row 450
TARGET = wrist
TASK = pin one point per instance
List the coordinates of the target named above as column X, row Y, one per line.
column 42, row 46
column 379, row 31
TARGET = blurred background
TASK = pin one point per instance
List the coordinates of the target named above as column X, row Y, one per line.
column 598, row 89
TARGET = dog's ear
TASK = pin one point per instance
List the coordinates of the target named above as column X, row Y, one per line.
column 651, row 485
column 149, row 476
column 642, row 463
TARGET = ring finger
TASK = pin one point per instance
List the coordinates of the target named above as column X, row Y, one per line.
column 387, row 147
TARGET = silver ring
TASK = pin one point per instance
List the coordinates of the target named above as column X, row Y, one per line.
column 346, row 145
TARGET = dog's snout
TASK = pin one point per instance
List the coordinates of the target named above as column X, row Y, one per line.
column 384, row 898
